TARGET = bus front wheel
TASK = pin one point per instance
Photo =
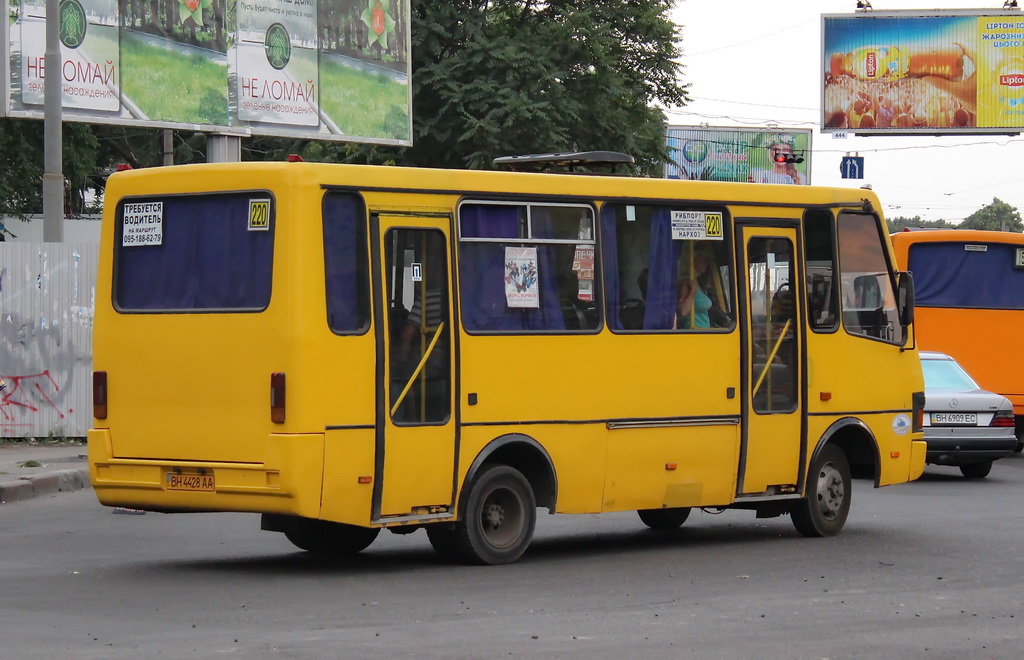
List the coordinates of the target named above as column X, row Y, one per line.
column 328, row 538
column 823, row 511
column 499, row 517
column 664, row 518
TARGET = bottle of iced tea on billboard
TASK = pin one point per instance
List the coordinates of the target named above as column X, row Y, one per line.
column 894, row 62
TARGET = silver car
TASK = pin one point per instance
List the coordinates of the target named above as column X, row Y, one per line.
column 964, row 425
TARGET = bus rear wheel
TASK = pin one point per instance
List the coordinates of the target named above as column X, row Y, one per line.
column 329, row 538
column 664, row 518
column 824, row 510
column 499, row 517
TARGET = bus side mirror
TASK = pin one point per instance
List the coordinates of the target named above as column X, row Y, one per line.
column 905, row 296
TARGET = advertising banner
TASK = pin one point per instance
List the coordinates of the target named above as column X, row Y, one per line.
column 740, row 154
column 318, row 69
column 933, row 72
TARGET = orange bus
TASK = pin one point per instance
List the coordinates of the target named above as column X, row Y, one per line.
column 970, row 303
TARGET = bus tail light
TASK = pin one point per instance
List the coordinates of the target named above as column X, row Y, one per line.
column 277, row 397
column 99, row 394
column 918, row 402
column 1002, row 418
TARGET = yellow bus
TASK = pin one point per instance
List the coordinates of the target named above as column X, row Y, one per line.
column 970, row 303
column 344, row 349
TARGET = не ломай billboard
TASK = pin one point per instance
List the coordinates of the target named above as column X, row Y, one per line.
column 319, row 69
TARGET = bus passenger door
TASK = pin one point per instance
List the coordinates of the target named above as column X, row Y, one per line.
column 772, row 443
column 415, row 435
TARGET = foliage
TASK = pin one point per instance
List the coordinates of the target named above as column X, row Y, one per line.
column 22, row 159
column 997, row 216
column 900, row 223
column 500, row 77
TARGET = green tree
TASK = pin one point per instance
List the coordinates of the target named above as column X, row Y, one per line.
column 997, row 216
column 899, row 223
column 500, row 77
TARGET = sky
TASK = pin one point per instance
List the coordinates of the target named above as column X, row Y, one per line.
column 757, row 64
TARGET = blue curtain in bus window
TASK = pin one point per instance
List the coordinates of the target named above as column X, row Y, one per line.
column 661, row 278
column 610, row 258
column 208, row 258
column 947, row 275
column 549, row 315
column 482, row 268
column 345, row 264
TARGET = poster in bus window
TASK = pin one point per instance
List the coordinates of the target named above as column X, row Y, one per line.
column 522, row 288
column 583, row 264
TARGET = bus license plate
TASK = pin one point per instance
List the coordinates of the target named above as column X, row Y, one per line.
column 190, row 481
column 955, row 418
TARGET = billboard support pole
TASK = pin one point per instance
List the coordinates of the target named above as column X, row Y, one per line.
column 223, row 148
column 53, row 175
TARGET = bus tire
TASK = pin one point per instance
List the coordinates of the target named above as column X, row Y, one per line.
column 499, row 517
column 824, row 510
column 328, row 538
column 444, row 542
column 976, row 470
column 662, row 519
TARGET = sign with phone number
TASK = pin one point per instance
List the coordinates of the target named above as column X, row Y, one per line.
column 142, row 224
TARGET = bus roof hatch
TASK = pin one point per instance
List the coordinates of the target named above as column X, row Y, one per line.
column 570, row 160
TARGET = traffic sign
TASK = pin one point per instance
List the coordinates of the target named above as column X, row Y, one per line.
column 852, row 167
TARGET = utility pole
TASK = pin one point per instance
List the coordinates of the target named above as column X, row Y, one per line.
column 53, row 99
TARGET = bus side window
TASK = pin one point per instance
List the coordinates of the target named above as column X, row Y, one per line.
column 819, row 246
column 655, row 280
column 527, row 268
column 869, row 292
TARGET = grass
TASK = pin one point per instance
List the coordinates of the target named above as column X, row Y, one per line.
column 362, row 103
column 170, row 86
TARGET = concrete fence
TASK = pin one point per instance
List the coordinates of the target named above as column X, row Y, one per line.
column 47, row 299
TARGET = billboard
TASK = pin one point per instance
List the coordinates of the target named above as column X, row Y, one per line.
column 316, row 69
column 739, row 154
column 907, row 72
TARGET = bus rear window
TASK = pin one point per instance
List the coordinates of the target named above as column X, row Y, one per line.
column 195, row 252
column 967, row 275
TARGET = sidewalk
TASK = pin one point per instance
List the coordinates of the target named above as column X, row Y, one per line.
column 37, row 470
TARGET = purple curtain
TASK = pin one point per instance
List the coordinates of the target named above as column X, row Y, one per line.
column 208, row 259
column 662, row 280
column 482, row 268
column 346, row 264
column 610, row 259
column 947, row 275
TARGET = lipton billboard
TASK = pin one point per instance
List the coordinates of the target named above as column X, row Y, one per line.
column 930, row 72
column 752, row 155
column 318, row 69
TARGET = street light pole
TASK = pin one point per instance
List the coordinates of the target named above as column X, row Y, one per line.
column 53, row 174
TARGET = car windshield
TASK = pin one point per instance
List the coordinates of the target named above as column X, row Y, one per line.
column 946, row 374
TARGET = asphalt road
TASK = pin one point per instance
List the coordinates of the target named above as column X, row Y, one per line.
column 930, row 569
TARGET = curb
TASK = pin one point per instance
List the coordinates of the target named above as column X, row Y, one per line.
column 45, row 483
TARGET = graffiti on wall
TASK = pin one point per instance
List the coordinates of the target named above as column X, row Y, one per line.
column 27, row 395
column 47, row 299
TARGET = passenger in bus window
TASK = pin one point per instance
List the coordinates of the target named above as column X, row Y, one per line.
column 691, row 291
